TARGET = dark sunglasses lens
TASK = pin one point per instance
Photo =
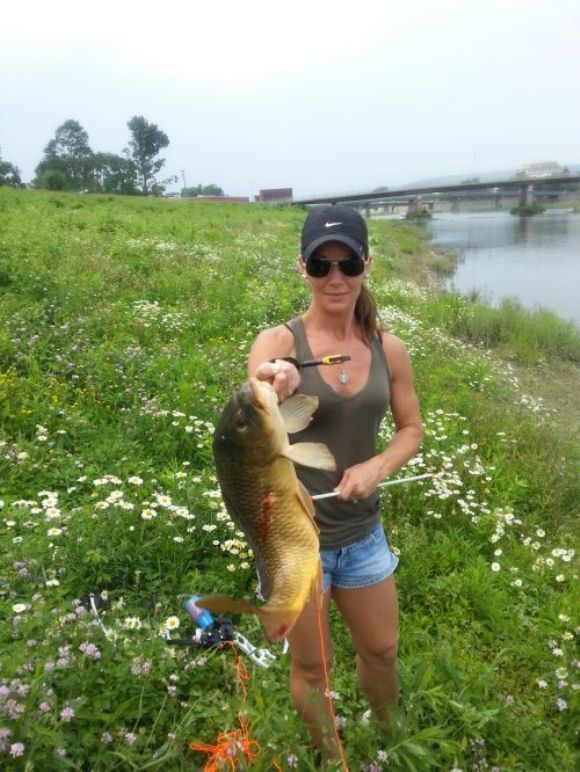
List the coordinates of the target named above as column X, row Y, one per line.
column 352, row 266
column 320, row 266
column 317, row 267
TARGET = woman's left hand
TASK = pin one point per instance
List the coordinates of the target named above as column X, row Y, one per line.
column 360, row 480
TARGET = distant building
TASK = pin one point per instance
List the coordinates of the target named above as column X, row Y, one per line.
column 540, row 169
column 275, row 196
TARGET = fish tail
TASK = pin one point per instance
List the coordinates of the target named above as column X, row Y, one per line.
column 277, row 622
column 220, row 604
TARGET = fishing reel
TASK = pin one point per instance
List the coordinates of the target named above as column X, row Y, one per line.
column 212, row 633
column 221, row 630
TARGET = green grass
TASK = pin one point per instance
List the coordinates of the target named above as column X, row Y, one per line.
column 126, row 324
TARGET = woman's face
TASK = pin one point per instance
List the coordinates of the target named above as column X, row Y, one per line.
column 336, row 291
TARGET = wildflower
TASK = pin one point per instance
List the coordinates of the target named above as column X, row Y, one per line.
column 60, row 752
column 148, row 514
column 557, row 652
column 130, row 738
column 67, row 714
column 540, row 533
column 4, row 735
column 54, row 532
column 90, row 650
column 517, row 583
column 132, row 623
column 292, row 760
column 382, row 756
column 171, row 623
column 134, row 480
column 561, row 704
column 495, row 567
column 561, row 672
column 16, row 749
column 106, row 738
column 19, row 608
column 560, row 578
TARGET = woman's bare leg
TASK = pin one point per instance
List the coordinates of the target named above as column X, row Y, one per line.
column 372, row 616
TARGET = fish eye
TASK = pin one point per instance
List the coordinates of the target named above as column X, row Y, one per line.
column 241, row 425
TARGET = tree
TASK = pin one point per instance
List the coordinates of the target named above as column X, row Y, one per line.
column 9, row 174
column 145, row 143
column 68, row 155
column 202, row 190
column 115, row 174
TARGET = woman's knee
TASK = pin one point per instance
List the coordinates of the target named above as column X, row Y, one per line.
column 310, row 671
column 381, row 653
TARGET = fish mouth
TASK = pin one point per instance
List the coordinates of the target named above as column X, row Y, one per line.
column 257, row 394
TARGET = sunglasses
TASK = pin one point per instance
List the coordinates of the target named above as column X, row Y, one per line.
column 318, row 267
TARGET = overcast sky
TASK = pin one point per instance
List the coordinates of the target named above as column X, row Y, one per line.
column 317, row 95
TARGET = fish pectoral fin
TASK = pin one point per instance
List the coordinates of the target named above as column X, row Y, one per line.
column 220, row 604
column 313, row 454
column 297, row 411
column 305, row 500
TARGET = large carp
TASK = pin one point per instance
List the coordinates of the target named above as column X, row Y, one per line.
column 263, row 496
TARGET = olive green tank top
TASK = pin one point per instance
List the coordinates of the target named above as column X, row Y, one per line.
column 348, row 425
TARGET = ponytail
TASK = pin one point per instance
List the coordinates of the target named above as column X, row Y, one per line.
column 366, row 315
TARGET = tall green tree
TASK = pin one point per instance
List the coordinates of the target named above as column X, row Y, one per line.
column 68, row 159
column 9, row 174
column 146, row 141
column 115, row 174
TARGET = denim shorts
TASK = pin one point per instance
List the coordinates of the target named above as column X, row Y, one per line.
column 361, row 564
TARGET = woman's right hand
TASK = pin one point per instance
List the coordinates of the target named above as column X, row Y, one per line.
column 281, row 375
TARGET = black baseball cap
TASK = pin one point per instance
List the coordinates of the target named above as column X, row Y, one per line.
column 334, row 223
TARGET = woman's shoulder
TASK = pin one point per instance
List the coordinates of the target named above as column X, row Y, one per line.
column 395, row 351
column 275, row 342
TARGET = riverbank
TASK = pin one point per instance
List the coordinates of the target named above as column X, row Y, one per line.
column 125, row 327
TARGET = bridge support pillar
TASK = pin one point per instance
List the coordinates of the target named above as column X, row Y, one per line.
column 527, row 197
column 414, row 206
column 455, row 204
column 497, row 201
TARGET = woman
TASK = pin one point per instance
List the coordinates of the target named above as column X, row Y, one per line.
column 353, row 398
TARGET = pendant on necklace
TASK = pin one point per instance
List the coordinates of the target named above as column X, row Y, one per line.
column 343, row 377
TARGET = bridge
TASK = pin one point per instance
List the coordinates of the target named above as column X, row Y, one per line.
column 525, row 187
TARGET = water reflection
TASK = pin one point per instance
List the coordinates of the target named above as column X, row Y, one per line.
column 535, row 259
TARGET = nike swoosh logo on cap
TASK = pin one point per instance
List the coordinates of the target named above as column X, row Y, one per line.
column 330, row 224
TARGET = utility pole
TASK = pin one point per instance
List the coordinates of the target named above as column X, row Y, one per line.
column 183, row 175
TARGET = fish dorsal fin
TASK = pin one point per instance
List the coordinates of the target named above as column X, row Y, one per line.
column 313, row 454
column 297, row 411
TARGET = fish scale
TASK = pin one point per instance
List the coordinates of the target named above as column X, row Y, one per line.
column 255, row 468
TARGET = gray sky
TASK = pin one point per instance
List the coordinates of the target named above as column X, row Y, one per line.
column 318, row 95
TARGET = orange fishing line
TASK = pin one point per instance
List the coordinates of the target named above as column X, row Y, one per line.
column 230, row 745
column 327, row 687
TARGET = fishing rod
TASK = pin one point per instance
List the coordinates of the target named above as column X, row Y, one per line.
column 387, row 483
column 333, row 359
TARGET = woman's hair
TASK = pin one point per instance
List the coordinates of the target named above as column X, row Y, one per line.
column 367, row 317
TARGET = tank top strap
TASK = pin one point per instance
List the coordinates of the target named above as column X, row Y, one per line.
column 296, row 327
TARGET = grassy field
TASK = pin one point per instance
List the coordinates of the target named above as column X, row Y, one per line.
column 125, row 328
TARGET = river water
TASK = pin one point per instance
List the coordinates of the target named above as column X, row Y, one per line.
column 534, row 259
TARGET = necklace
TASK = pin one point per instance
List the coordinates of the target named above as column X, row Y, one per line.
column 343, row 377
